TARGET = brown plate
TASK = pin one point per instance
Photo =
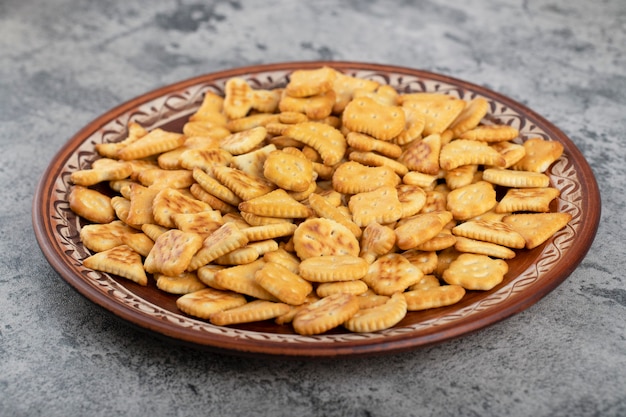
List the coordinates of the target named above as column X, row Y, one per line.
column 532, row 274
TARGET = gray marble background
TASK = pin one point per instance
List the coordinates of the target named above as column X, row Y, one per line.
column 64, row 62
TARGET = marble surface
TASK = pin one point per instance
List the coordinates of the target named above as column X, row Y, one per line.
column 63, row 63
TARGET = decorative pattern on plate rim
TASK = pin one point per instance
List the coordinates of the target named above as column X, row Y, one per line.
column 159, row 111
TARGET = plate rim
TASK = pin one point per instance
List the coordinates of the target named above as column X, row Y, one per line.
column 41, row 201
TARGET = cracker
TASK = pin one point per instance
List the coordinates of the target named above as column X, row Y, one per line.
column 252, row 162
column 180, row 284
column 463, row 244
column 215, row 187
column 244, row 141
column 100, row 237
column 423, row 155
column 325, row 314
column 491, row 133
column 412, row 198
column 426, row 261
column 370, row 299
column 257, row 310
column 420, row 179
column 244, row 185
column 247, row 123
column 269, row 231
column 392, row 273
column 438, row 113
column 324, row 237
column 237, row 98
column 165, row 178
column 240, row 279
column 203, row 223
column 225, row 239
column 469, row 152
column 206, row 274
column 527, row 199
column 91, row 204
column 461, row 176
column 436, row 297
column 315, row 107
column 292, row 117
column 266, row 101
column 256, row 220
column 211, row 105
column 470, row 117
column 282, row 257
column 306, row 83
column 380, row 205
column 288, row 171
column 516, row 179
column 329, row 268
column 365, row 115
column 102, row 170
column 374, row 159
column 443, row 240
column 323, row 208
column 120, row 260
column 121, row 207
column 204, row 159
column 366, row 143
column 109, row 150
column 325, row 139
column 511, row 152
column 355, row 287
column 345, row 86
column 283, row 284
column 263, row 246
column 444, row 259
column 417, row 230
column 208, row 301
column 353, row 177
column 496, row 232
column 414, row 123
column 172, row 252
column 379, row 318
column 540, row 154
column 170, row 201
column 204, row 129
column 427, row 282
column 276, row 203
column 239, row 256
column 155, row 142
column 201, row 194
column 153, row 231
column 536, row 228
column 141, row 205
column 139, row 242
column 471, row 200
column 475, row 272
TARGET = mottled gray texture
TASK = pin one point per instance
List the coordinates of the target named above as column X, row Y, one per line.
column 64, row 62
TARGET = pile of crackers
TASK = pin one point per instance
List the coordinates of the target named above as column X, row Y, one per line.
column 333, row 201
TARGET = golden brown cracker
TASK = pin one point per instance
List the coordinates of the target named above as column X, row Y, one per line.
column 536, row 228
column 324, row 237
column 365, row 115
column 325, row 314
column 475, row 272
column 392, row 273
column 172, row 252
column 91, row 204
column 119, row 260
column 380, row 317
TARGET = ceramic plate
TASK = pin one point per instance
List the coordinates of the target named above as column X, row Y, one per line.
column 531, row 276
